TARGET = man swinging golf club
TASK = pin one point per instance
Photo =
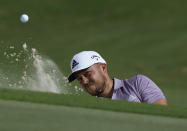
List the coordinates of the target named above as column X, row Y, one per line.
column 90, row 69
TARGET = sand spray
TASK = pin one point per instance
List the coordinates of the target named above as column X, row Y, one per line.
column 30, row 70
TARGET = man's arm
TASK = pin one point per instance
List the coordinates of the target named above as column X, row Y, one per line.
column 150, row 92
column 161, row 102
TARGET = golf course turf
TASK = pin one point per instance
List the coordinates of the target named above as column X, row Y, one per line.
column 91, row 102
column 20, row 116
column 134, row 37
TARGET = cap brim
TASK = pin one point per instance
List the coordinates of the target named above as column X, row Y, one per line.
column 71, row 77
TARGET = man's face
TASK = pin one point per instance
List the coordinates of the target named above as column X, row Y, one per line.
column 92, row 79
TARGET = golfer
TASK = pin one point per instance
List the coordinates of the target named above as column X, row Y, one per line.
column 90, row 69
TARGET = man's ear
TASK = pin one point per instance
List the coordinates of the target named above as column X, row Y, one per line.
column 103, row 67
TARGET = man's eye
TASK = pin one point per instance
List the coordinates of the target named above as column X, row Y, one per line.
column 79, row 79
column 87, row 74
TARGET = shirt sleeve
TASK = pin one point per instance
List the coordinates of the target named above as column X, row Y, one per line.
column 149, row 91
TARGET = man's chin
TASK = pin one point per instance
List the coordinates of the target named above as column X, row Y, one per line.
column 98, row 93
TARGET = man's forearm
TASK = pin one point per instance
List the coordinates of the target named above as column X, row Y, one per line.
column 161, row 102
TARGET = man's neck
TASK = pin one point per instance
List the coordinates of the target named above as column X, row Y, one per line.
column 108, row 92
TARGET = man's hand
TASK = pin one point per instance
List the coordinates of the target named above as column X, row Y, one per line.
column 161, row 102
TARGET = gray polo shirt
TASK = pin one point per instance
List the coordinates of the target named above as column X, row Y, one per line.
column 137, row 89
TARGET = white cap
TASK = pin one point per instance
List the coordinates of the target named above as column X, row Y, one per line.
column 84, row 60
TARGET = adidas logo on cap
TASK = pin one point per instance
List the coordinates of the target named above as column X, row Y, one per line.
column 74, row 63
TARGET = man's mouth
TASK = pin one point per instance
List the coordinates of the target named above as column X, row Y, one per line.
column 99, row 92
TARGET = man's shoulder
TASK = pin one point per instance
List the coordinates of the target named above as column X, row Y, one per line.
column 140, row 86
column 129, row 89
column 137, row 78
column 137, row 82
column 132, row 82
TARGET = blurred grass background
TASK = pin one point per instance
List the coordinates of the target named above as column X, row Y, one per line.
column 135, row 37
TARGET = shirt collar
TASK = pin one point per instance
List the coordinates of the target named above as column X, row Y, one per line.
column 117, row 83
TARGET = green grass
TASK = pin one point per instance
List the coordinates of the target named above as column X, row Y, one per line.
column 29, row 116
column 92, row 103
column 135, row 37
